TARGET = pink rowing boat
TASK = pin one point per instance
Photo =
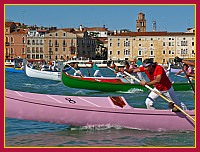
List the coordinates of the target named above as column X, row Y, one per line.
column 82, row 111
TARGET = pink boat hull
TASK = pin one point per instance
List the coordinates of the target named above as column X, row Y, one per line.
column 82, row 111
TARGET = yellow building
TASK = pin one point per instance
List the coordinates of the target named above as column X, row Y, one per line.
column 60, row 44
column 161, row 46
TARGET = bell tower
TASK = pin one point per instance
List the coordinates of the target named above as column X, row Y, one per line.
column 141, row 23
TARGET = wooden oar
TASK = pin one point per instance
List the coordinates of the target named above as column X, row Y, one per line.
column 158, row 93
column 74, row 69
column 116, row 71
column 181, row 65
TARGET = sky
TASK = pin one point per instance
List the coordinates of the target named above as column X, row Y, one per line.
column 171, row 18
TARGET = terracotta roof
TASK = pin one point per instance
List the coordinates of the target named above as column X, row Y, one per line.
column 41, row 30
column 151, row 34
column 68, row 29
column 20, row 31
column 9, row 24
column 103, row 39
column 95, row 29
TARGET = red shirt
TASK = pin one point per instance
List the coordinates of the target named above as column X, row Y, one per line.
column 164, row 84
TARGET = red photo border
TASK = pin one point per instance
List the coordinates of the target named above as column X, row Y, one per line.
column 88, row 149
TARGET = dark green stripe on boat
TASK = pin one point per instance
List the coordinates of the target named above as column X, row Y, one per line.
column 74, row 82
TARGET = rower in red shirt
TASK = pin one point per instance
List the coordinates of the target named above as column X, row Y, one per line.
column 160, row 81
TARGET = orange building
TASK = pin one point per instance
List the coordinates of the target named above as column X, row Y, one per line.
column 15, row 41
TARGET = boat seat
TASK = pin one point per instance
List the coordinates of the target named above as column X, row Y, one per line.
column 118, row 101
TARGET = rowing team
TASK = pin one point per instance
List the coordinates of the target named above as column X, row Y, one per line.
column 158, row 78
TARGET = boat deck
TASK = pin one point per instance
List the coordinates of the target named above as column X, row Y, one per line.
column 105, row 102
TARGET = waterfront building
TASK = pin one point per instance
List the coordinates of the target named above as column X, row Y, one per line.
column 16, row 39
column 86, row 45
column 160, row 46
column 35, row 45
column 60, row 44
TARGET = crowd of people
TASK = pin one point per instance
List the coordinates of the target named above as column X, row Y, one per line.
column 51, row 66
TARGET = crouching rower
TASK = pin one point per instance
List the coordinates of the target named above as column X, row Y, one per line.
column 161, row 82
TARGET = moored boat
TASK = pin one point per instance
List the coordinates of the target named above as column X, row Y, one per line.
column 82, row 111
column 15, row 70
column 109, row 85
column 51, row 75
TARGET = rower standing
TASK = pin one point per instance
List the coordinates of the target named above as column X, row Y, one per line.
column 161, row 82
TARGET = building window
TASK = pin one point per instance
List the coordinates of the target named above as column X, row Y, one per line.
column 33, row 56
column 118, row 44
column 192, row 43
column 41, row 49
column 33, row 50
column 64, row 43
column 170, row 52
column 110, row 52
column 37, row 56
column 164, row 52
column 139, row 52
column 139, row 44
column 184, row 51
column 183, row 43
column 193, row 52
column 163, row 43
column 110, row 44
column 28, row 50
column 56, row 43
column 11, row 40
column 126, row 52
column 151, row 44
column 37, row 49
column 23, row 40
column 11, row 51
column 33, row 42
column 56, row 34
column 118, row 52
column 23, row 51
column 64, row 34
column 28, row 56
column 56, row 49
column 151, row 52
column 41, row 43
column 64, row 49
column 163, row 61
column 126, row 43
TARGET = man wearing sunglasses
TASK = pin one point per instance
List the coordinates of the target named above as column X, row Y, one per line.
column 161, row 83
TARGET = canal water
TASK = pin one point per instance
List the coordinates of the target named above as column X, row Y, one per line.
column 24, row 133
